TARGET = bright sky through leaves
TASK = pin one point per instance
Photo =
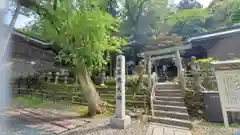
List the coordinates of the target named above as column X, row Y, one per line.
column 23, row 20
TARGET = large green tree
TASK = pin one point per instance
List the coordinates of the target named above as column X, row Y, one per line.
column 143, row 18
column 223, row 14
column 189, row 21
column 83, row 29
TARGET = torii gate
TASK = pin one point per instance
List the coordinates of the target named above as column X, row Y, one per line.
column 162, row 48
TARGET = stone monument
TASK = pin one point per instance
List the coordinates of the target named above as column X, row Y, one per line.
column 228, row 80
column 120, row 120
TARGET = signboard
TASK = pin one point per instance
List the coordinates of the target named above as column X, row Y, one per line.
column 228, row 80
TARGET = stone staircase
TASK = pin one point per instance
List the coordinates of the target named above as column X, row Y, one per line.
column 169, row 107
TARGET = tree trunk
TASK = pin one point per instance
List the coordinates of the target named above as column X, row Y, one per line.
column 89, row 91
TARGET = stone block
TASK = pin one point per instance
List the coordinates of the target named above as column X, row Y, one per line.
column 120, row 123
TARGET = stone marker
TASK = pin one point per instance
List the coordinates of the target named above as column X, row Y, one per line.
column 120, row 120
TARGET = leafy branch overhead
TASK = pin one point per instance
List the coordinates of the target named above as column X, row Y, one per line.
column 82, row 30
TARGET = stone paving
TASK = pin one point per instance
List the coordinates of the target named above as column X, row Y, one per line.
column 157, row 129
column 57, row 123
column 47, row 121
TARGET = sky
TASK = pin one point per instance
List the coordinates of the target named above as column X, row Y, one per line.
column 205, row 3
column 23, row 20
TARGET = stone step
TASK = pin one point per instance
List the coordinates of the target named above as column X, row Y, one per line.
column 171, row 121
column 170, row 108
column 167, row 86
column 168, row 90
column 171, row 103
column 171, row 114
column 114, row 92
column 168, row 93
column 126, row 95
column 169, row 98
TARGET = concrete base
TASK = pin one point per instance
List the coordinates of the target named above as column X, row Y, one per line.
column 120, row 123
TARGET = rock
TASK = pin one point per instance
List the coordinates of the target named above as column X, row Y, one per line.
column 145, row 118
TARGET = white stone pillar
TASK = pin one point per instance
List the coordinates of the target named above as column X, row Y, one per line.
column 120, row 120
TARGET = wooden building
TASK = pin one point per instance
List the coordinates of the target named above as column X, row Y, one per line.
column 29, row 56
column 223, row 44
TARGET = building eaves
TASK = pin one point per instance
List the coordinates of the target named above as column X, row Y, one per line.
column 28, row 3
column 32, row 39
column 214, row 34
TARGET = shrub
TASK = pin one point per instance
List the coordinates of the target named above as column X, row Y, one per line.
column 205, row 64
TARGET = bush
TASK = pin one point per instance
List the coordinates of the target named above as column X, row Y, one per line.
column 208, row 76
column 205, row 64
column 129, row 82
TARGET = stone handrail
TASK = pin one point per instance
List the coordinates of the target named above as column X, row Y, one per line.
column 154, row 82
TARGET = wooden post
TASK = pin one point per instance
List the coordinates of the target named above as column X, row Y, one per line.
column 145, row 63
column 110, row 67
column 180, row 71
column 149, row 72
column 156, row 67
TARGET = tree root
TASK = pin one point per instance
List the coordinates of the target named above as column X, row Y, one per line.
column 101, row 108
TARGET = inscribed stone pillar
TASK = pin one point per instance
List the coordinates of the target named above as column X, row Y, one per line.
column 120, row 120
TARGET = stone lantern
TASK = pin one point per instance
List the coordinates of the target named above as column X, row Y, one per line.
column 102, row 78
column 140, row 68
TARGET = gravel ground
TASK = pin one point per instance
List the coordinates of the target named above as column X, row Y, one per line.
column 17, row 126
column 207, row 128
column 105, row 129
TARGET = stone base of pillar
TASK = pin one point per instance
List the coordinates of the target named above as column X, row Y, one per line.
column 120, row 123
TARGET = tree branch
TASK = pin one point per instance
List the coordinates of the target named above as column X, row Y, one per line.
column 43, row 12
column 129, row 13
column 140, row 9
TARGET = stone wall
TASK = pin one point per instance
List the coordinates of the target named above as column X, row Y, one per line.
column 194, row 104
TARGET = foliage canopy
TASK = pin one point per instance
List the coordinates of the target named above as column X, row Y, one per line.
column 82, row 29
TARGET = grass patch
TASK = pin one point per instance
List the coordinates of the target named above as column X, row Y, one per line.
column 202, row 122
column 36, row 102
column 32, row 101
column 107, row 113
column 83, row 111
